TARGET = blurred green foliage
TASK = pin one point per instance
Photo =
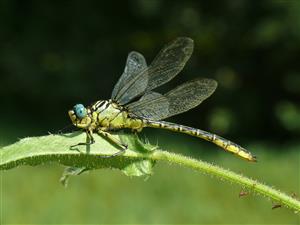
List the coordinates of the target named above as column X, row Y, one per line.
column 173, row 195
column 54, row 54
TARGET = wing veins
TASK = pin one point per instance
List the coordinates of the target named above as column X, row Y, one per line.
column 166, row 65
column 182, row 98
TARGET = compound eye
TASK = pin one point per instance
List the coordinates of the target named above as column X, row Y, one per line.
column 80, row 111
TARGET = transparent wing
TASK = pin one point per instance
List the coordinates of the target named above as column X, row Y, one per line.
column 135, row 64
column 166, row 65
column 169, row 62
column 189, row 95
column 152, row 105
column 181, row 99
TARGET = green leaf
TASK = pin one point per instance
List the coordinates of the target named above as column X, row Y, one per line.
column 138, row 160
column 56, row 148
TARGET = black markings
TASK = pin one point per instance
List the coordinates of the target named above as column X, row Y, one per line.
column 115, row 116
column 226, row 144
column 102, row 119
column 107, row 105
column 101, row 104
column 211, row 137
column 98, row 117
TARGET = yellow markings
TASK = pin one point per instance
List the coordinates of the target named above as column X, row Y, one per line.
column 235, row 149
column 217, row 140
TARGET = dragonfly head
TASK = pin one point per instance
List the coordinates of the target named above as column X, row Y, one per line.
column 79, row 116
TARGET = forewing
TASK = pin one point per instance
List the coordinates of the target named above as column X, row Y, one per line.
column 166, row 65
column 169, row 62
column 151, row 106
column 135, row 64
column 189, row 95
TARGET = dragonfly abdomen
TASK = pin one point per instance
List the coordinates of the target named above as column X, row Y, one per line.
column 134, row 105
column 217, row 140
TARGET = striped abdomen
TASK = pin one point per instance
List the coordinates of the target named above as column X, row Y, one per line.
column 222, row 142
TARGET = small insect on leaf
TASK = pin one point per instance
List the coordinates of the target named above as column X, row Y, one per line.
column 243, row 193
column 277, row 205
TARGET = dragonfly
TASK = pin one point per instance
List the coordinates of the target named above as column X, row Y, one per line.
column 134, row 105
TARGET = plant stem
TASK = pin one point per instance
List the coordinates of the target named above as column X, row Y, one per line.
column 56, row 148
column 228, row 175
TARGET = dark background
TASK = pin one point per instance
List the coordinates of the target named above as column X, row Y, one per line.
column 54, row 54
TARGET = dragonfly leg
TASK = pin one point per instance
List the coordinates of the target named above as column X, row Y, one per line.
column 89, row 140
column 114, row 141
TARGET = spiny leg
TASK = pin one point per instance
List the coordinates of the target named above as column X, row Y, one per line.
column 89, row 140
column 114, row 141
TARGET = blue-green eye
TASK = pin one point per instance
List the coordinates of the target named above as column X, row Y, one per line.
column 80, row 111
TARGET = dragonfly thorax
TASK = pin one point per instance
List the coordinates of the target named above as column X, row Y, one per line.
column 108, row 114
column 135, row 105
column 104, row 115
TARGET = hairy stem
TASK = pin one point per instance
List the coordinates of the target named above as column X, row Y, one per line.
column 138, row 160
column 228, row 175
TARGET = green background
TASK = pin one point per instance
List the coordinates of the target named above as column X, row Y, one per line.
column 54, row 54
